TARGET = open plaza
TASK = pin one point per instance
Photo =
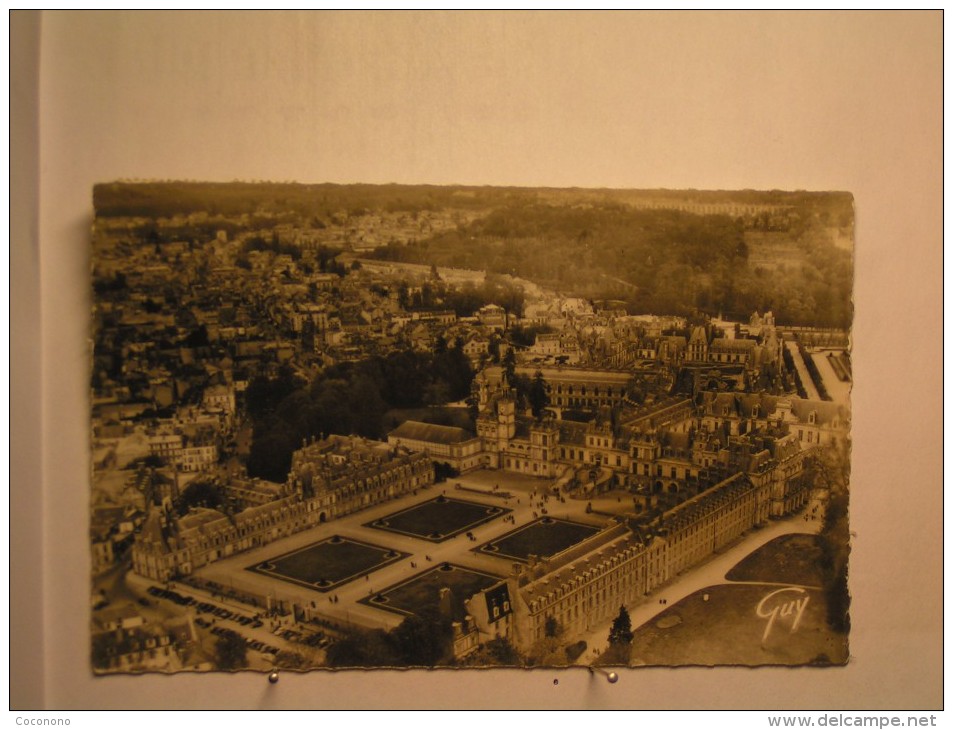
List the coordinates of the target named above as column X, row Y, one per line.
column 335, row 570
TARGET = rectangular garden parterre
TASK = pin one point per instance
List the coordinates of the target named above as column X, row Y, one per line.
column 423, row 590
column 326, row 565
column 544, row 537
column 439, row 519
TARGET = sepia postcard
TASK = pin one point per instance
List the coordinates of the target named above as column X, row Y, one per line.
column 356, row 426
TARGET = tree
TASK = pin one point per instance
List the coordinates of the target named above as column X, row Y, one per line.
column 509, row 365
column 443, row 471
column 403, row 294
column 621, row 632
column 452, row 367
column 538, row 395
column 620, row 640
column 271, row 449
column 368, row 406
column 230, row 651
column 473, row 405
column 421, row 641
column 829, row 470
column 406, row 375
column 362, row 649
column 263, row 394
column 636, row 390
column 493, row 349
column 200, row 493
column 500, row 652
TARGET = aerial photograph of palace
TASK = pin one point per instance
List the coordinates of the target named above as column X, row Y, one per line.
column 342, row 426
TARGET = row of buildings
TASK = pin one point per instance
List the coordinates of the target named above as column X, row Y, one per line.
column 330, row 478
column 583, row 586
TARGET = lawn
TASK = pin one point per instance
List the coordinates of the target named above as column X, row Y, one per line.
column 544, row 537
column 791, row 559
column 438, row 519
column 423, row 590
column 325, row 565
column 727, row 629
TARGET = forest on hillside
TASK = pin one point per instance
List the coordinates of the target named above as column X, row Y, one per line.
column 158, row 199
column 627, row 245
column 302, row 201
column 657, row 261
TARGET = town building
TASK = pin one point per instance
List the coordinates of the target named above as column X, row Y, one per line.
column 493, row 316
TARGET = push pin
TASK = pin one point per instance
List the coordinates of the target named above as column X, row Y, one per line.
column 611, row 677
column 273, row 677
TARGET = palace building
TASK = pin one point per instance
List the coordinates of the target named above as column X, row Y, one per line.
column 343, row 474
column 700, row 472
column 570, row 387
column 583, row 586
column 329, row 478
column 518, row 444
